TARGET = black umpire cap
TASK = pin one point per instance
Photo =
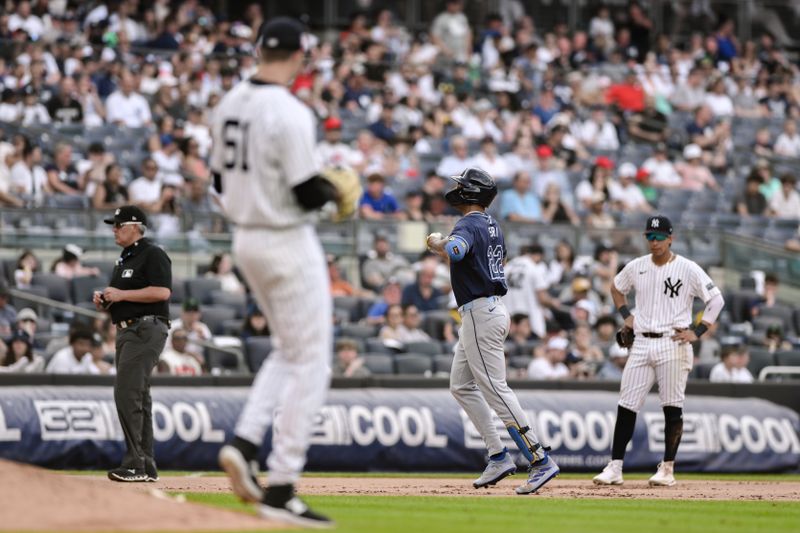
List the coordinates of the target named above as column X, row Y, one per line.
column 659, row 225
column 128, row 213
column 281, row 33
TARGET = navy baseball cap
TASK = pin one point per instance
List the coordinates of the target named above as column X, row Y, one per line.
column 281, row 33
column 127, row 213
column 658, row 225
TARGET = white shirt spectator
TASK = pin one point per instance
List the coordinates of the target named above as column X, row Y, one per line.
column 338, row 155
column 631, row 196
column 662, row 173
column 788, row 146
column 28, row 181
column 64, row 362
column 474, row 128
column 201, row 134
column 32, row 25
column 497, row 167
column 132, row 110
column 541, row 368
column 9, row 112
column 169, row 167
column 452, row 165
column 181, row 364
column 144, row 191
column 35, row 114
column 199, row 332
column 785, row 206
column 721, row 374
column 599, row 136
column 721, row 105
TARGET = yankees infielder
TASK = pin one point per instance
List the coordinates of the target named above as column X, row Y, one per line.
column 263, row 157
column 476, row 250
column 658, row 336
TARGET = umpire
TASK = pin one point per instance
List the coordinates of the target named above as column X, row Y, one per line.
column 138, row 300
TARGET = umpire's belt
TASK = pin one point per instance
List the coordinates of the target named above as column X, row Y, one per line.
column 651, row 335
column 478, row 303
column 122, row 324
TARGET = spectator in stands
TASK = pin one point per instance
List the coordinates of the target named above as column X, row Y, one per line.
column 255, row 323
column 94, row 111
column 391, row 294
column 193, row 166
column 24, row 19
column 776, row 103
column 598, row 133
column 487, row 159
column 27, row 266
column 454, row 164
column 769, row 298
column 145, row 191
column 385, row 128
column 32, row 110
column 200, row 207
column 785, row 203
column 549, row 364
column 348, row 364
column 690, row 94
column 561, row 267
column 422, row 293
column 598, row 216
column 696, row 175
column 519, row 203
column 522, row 157
column 556, row 208
column 377, row 203
column 221, row 269
column 547, row 106
column 599, row 178
column 28, row 178
column 391, row 330
column 413, row 206
column 451, row 33
column 381, row 264
column 583, row 348
column 98, row 363
column 788, row 142
column 662, row 172
column 92, row 171
column 774, row 339
column 196, row 128
column 628, row 95
column 20, row 357
column 605, row 330
column 111, row 194
column 191, row 322
column 126, row 106
column 26, row 321
column 519, row 332
column 762, row 146
column 793, row 244
column 62, row 176
column 409, row 330
column 76, row 357
column 64, row 108
column 717, row 100
column 612, row 369
column 751, row 202
column 626, row 195
column 550, row 172
column 69, row 265
column 733, row 366
column 168, row 158
column 333, row 152
column 650, row 125
column 177, row 360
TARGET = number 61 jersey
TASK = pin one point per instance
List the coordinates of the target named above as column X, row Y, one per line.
column 664, row 294
column 480, row 273
column 264, row 144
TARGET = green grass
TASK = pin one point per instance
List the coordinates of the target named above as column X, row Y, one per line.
column 400, row 514
column 462, row 475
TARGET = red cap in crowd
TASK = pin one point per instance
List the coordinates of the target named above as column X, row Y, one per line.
column 642, row 174
column 604, row 162
column 544, row 151
column 332, row 123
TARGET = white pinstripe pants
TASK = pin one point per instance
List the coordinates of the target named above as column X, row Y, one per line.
column 287, row 273
column 655, row 360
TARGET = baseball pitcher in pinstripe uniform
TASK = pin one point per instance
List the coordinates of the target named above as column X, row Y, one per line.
column 666, row 285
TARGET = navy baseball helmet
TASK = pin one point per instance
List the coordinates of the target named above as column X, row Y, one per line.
column 473, row 186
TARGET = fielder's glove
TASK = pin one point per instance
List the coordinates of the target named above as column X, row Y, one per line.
column 625, row 337
column 348, row 188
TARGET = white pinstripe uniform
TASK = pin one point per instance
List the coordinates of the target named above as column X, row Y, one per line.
column 664, row 296
column 264, row 145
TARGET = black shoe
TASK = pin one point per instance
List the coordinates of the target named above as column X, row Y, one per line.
column 281, row 504
column 128, row 475
column 151, row 470
column 239, row 460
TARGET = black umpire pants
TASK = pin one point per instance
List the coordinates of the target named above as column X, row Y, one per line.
column 138, row 349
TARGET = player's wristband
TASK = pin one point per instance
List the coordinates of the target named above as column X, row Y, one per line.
column 624, row 311
column 700, row 329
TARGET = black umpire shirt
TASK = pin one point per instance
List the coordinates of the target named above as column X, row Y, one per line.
column 142, row 264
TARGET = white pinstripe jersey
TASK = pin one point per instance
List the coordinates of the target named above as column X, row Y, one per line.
column 664, row 294
column 264, row 144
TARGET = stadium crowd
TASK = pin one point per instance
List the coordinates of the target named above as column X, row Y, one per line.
column 592, row 128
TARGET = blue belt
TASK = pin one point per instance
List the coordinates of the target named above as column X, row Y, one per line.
column 478, row 302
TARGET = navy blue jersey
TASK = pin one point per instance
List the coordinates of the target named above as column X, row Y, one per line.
column 480, row 272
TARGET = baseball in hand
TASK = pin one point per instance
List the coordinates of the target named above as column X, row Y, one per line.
column 434, row 237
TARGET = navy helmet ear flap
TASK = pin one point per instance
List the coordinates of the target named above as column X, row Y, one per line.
column 473, row 186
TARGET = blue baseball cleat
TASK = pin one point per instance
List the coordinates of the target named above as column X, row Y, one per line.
column 496, row 471
column 539, row 473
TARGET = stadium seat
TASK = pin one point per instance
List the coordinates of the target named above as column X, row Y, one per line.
column 82, row 288
column 56, row 286
column 379, row 363
column 413, row 363
column 358, row 331
column 256, row 350
column 762, row 323
column 702, row 370
column 780, row 312
column 214, row 316
column 376, row 345
column 519, row 361
column 759, row 358
column 237, row 302
column 431, row 348
column 221, row 360
column 348, row 303
column 201, row 288
column 788, row 358
column 442, row 363
column 178, row 291
column 433, row 323
column 232, row 327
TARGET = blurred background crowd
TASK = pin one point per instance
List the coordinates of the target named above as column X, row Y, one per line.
column 588, row 116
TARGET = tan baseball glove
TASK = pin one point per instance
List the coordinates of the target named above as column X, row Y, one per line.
column 348, row 187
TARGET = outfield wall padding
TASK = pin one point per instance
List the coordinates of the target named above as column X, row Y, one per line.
column 395, row 430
